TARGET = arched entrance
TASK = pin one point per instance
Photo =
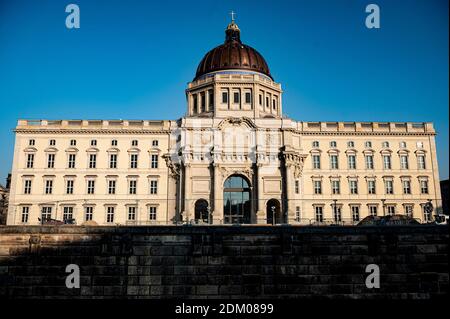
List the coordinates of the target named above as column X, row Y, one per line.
column 201, row 211
column 273, row 211
column 236, row 199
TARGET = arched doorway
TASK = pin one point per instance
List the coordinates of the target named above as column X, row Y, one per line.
column 236, row 200
column 273, row 211
column 201, row 211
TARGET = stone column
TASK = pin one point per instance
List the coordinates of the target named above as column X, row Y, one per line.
column 261, row 217
column 187, row 193
column 218, row 196
column 289, row 194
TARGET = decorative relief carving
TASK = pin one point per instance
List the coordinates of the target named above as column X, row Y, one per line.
column 174, row 168
column 228, row 171
column 236, row 121
column 295, row 161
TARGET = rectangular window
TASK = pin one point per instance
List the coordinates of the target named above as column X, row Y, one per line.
column 389, row 187
column 421, row 161
column 27, row 186
column 248, row 97
column 88, row 213
column 406, row 187
column 317, row 187
column 110, row 214
column 51, row 161
column 353, row 187
column 46, row 213
column 236, row 97
column 155, row 143
column 390, row 210
column 319, row 214
column 351, row 162
column 404, row 162
column 48, row 186
column 387, row 161
column 112, row 160
column 30, row 160
column 153, row 187
column 195, row 103
column 31, row 142
column 91, row 187
column 297, row 187
column 152, row 212
column 154, row 161
column 371, row 187
column 424, row 186
column 316, row 161
column 92, row 160
column 203, row 102
column 111, row 187
column 373, row 210
column 426, row 214
column 225, row 97
column 355, row 213
column 69, row 186
column 297, row 214
column 337, row 215
column 73, row 142
column 211, row 100
column 131, row 212
column 369, row 161
column 25, row 214
column 132, row 187
column 133, row 160
column 409, row 210
column 93, row 142
column 67, row 212
column 334, row 162
column 260, row 99
column 71, row 162
column 335, row 187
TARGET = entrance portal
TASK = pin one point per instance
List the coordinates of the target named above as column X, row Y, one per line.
column 236, row 199
column 273, row 211
column 201, row 211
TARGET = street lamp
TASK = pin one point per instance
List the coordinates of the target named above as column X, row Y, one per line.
column 208, row 209
column 273, row 215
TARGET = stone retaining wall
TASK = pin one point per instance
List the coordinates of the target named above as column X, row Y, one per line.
column 224, row 262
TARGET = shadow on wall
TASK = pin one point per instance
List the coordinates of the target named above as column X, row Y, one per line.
column 224, row 262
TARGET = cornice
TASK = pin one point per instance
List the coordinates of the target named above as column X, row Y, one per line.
column 366, row 133
column 89, row 131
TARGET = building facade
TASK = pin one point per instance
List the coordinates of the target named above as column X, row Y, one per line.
column 234, row 158
column 4, row 200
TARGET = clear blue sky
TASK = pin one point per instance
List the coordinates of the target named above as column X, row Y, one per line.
column 132, row 60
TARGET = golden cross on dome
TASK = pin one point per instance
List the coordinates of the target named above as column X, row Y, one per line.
column 232, row 13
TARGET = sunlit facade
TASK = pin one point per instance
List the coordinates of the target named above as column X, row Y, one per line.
column 233, row 159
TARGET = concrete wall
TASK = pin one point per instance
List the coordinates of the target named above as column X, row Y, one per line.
column 224, row 262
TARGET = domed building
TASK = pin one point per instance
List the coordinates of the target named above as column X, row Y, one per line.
column 233, row 159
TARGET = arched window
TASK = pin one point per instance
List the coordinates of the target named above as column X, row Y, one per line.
column 236, row 199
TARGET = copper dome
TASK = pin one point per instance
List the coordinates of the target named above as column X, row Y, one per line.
column 233, row 54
